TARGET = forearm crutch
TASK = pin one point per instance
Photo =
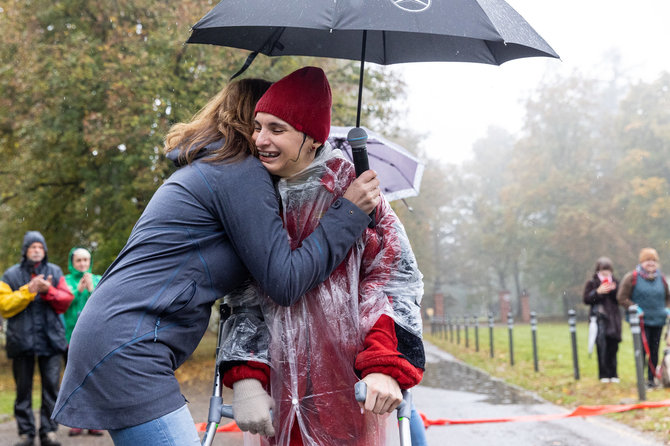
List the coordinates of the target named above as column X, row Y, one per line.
column 404, row 411
column 216, row 407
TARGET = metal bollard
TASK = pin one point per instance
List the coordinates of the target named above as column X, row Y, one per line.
column 491, row 333
column 572, row 322
column 458, row 331
column 450, row 326
column 634, row 320
column 475, row 322
column 533, row 329
column 466, row 327
column 510, row 327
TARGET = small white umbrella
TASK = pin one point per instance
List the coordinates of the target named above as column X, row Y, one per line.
column 593, row 333
column 398, row 170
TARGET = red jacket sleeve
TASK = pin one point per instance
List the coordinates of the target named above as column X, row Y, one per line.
column 59, row 297
column 381, row 355
column 248, row 370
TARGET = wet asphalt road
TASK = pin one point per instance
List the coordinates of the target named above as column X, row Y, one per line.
column 452, row 390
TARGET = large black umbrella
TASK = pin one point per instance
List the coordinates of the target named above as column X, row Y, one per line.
column 380, row 31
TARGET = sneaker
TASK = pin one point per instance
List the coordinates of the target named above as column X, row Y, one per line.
column 651, row 385
column 75, row 431
column 25, row 440
column 49, row 439
column 95, row 432
column 615, row 380
column 604, row 380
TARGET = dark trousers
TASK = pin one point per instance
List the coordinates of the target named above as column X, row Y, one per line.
column 653, row 335
column 23, row 368
column 607, row 361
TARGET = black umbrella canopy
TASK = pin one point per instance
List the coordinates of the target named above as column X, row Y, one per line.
column 482, row 31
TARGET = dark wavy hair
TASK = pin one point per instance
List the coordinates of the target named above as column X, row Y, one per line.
column 229, row 115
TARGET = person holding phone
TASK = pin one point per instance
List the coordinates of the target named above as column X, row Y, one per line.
column 600, row 292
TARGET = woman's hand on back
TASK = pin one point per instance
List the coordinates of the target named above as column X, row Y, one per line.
column 364, row 191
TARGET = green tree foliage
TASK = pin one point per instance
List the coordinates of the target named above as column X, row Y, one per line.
column 88, row 89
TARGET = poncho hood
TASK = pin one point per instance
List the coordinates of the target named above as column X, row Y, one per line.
column 74, row 272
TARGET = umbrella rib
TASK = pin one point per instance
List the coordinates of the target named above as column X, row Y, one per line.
column 271, row 43
column 392, row 165
column 340, row 144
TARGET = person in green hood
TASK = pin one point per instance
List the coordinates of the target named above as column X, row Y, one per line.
column 81, row 282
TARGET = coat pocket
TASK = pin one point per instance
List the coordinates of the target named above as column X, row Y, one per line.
column 178, row 301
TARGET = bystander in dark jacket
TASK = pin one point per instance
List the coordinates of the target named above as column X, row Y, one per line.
column 600, row 293
column 32, row 295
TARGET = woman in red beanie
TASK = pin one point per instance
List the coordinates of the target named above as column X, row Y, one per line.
column 363, row 322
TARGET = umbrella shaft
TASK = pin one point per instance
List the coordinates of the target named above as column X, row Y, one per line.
column 360, row 78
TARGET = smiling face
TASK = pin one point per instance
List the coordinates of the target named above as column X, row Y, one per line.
column 650, row 265
column 81, row 260
column 282, row 149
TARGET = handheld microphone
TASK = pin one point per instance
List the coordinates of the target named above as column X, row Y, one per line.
column 358, row 140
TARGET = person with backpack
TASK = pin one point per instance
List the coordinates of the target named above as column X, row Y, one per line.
column 600, row 292
column 646, row 288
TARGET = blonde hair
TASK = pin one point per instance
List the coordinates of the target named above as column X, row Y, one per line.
column 229, row 116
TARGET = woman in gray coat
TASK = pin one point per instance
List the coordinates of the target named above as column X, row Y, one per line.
column 210, row 226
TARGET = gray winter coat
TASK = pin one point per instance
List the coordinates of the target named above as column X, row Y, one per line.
column 204, row 232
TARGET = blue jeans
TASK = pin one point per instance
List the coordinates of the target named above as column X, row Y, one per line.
column 174, row 429
column 417, row 430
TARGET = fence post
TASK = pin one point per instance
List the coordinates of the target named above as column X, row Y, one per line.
column 458, row 330
column 451, row 329
column 572, row 322
column 491, row 333
column 533, row 328
column 634, row 320
column 475, row 322
column 466, row 327
column 510, row 328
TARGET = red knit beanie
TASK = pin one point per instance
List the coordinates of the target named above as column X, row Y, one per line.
column 303, row 100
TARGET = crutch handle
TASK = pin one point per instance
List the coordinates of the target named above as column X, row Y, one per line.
column 404, row 409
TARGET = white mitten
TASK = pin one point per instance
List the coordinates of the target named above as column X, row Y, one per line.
column 251, row 407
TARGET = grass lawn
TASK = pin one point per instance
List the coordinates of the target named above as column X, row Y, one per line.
column 555, row 379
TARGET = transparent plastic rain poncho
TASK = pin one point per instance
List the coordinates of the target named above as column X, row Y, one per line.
column 312, row 345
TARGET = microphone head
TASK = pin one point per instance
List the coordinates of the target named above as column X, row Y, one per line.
column 357, row 138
